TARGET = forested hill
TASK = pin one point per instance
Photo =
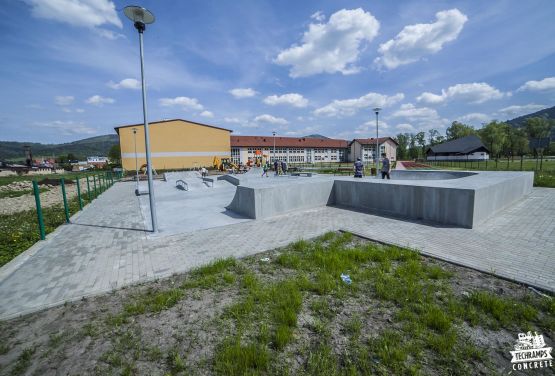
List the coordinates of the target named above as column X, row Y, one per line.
column 93, row 146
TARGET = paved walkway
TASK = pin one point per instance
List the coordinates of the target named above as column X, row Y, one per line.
column 106, row 247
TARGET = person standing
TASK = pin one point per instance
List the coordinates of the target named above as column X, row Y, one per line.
column 276, row 164
column 284, row 167
column 358, row 168
column 203, row 172
column 385, row 166
column 265, row 169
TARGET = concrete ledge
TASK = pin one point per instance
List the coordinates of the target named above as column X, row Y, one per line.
column 429, row 174
column 230, row 178
column 257, row 203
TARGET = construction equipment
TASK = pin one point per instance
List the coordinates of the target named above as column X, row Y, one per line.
column 224, row 164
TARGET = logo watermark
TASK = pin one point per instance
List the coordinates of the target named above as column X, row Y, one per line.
column 531, row 352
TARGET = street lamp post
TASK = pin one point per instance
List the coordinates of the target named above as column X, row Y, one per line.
column 377, row 153
column 141, row 17
column 136, row 162
column 274, row 152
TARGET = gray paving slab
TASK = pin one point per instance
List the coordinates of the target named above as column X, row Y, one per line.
column 106, row 246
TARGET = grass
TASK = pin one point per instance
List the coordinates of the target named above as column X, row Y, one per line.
column 294, row 315
column 23, row 361
column 10, row 194
column 542, row 178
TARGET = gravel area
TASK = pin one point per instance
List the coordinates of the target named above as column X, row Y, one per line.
column 53, row 196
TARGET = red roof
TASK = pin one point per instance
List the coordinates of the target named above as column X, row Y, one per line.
column 293, row 142
column 372, row 141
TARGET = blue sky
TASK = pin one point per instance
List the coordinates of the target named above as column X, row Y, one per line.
column 70, row 68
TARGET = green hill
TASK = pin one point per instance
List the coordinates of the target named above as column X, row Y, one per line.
column 99, row 145
column 547, row 113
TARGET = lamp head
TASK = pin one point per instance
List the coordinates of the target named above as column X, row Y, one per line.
column 139, row 15
column 377, row 110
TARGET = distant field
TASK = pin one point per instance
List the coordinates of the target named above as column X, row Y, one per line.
column 542, row 178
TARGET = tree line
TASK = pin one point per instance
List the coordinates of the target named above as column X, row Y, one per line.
column 502, row 139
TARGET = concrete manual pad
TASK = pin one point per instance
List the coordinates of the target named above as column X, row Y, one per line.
column 201, row 207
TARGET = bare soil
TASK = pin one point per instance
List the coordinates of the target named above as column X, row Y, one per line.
column 76, row 338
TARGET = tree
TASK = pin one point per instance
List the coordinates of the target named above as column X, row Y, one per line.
column 115, row 154
column 458, row 130
column 71, row 157
column 421, row 141
column 434, row 137
column 517, row 143
column 413, row 150
column 538, row 129
column 494, row 136
column 402, row 150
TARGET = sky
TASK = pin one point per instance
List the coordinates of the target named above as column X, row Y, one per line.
column 70, row 69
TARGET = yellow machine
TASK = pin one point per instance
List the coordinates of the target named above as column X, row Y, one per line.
column 224, row 164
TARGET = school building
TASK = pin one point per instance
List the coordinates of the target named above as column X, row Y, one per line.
column 182, row 144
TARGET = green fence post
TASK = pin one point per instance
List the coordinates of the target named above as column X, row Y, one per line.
column 95, row 191
column 89, row 189
column 79, row 193
column 66, row 209
column 39, row 210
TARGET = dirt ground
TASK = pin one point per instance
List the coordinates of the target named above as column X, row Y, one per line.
column 81, row 337
column 11, row 205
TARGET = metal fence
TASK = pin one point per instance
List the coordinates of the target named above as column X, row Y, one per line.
column 94, row 184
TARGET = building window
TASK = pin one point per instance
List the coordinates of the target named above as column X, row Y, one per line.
column 235, row 155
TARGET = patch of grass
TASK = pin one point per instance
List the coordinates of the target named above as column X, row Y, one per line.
column 154, row 301
column 23, row 361
column 353, row 326
column 322, row 361
column 234, row 358
column 4, row 348
column 498, row 311
column 175, row 363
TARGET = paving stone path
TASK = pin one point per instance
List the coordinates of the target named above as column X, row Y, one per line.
column 105, row 247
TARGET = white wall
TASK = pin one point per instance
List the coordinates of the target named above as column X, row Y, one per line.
column 478, row 156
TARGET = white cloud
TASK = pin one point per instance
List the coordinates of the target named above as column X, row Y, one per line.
column 97, row 100
column 475, row 118
column 207, row 114
column 318, row 16
column 126, row 83
column 65, row 109
column 420, row 117
column 416, row 41
column 519, row 110
column 405, row 127
column 292, row 99
column 185, row 102
column 108, row 34
column 331, row 47
column 476, row 92
column 79, row 110
column 232, row 120
column 547, row 83
column 270, row 119
column 66, row 128
column 87, row 13
column 61, row 100
column 348, row 107
column 242, row 93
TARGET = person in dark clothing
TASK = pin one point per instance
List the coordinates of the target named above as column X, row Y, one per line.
column 276, row 167
column 385, row 166
column 284, row 167
column 358, row 168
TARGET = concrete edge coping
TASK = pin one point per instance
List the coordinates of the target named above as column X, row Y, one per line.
column 14, row 264
column 503, row 276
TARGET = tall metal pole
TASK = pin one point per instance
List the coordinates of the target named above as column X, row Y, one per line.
column 136, row 162
column 377, row 159
column 147, row 139
column 274, row 152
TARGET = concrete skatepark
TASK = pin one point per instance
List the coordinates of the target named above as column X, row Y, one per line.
column 108, row 245
column 450, row 198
